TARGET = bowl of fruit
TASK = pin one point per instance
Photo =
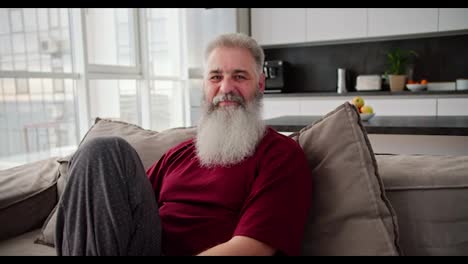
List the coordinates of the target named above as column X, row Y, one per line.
column 366, row 112
column 417, row 86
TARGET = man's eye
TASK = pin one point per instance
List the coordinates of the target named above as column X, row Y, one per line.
column 239, row 77
column 215, row 77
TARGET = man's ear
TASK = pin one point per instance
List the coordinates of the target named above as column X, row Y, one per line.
column 261, row 82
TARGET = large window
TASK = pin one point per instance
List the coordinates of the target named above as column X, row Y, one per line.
column 166, row 68
column 62, row 68
column 113, row 65
column 37, row 85
column 114, row 99
column 111, row 36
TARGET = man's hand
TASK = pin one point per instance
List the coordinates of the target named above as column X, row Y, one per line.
column 240, row 246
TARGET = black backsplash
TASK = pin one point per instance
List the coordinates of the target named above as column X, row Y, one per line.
column 314, row 68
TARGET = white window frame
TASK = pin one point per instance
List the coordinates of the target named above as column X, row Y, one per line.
column 183, row 68
column 102, row 71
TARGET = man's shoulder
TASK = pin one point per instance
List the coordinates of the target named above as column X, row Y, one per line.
column 181, row 146
column 274, row 139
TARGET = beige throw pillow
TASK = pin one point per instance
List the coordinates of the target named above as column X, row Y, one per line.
column 350, row 214
column 150, row 146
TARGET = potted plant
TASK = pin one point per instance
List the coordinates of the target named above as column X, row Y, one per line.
column 398, row 60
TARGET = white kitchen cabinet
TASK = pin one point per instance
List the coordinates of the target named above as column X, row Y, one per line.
column 400, row 106
column 453, row 19
column 403, row 106
column 274, row 107
column 401, row 21
column 272, row 26
column 319, row 106
column 452, row 106
column 336, row 23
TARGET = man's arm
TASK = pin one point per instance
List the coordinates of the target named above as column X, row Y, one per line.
column 240, row 246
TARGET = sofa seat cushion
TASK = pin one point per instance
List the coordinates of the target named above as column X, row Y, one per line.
column 430, row 197
column 24, row 245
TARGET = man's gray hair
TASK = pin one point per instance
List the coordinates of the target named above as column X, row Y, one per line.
column 238, row 40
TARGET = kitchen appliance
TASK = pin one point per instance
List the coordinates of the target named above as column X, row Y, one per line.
column 341, row 83
column 462, row 84
column 274, row 71
column 368, row 83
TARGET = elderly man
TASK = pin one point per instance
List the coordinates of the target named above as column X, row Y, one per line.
column 238, row 188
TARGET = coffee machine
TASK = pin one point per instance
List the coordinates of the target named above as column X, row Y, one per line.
column 274, row 72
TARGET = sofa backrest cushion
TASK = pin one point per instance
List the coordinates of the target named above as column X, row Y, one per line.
column 28, row 193
column 150, row 146
column 430, row 197
column 350, row 214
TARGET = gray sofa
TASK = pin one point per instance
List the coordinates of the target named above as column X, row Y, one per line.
column 428, row 193
column 363, row 203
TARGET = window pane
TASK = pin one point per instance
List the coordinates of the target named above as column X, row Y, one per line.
column 167, row 110
column 110, row 38
column 4, row 24
column 54, row 17
column 47, row 49
column 43, row 18
column 114, row 99
column 16, row 20
column 164, row 41
column 30, row 19
column 35, row 123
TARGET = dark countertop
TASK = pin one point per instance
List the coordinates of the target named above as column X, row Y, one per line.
column 409, row 125
column 372, row 93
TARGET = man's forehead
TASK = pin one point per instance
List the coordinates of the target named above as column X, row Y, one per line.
column 228, row 71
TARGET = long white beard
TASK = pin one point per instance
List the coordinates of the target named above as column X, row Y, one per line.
column 228, row 135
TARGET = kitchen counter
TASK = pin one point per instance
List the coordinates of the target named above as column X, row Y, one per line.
column 407, row 125
column 449, row 94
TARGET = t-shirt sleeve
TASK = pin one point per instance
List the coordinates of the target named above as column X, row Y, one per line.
column 277, row 207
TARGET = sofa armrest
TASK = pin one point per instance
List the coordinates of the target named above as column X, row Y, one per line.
column 430, row 197
column 28, row 193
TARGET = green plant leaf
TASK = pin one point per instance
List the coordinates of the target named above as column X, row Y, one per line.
column 398, row 59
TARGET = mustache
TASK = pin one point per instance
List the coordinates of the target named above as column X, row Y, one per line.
column 228, row 97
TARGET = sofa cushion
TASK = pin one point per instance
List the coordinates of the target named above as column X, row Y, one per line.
column 23, row 245
column 430, row 197
column 27, row 195
column 350, row 214
column 150, row 146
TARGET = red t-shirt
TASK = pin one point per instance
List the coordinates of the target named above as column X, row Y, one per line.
column 265, row 197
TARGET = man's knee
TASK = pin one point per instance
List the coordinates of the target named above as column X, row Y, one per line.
column 102, row 145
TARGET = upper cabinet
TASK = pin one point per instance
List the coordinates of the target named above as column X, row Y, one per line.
column 278, row 25
column 401, row 21
column 309, row 25
column 453, row 19
column 336, row 23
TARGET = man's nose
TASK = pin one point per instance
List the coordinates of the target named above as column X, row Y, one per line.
column 227, row 86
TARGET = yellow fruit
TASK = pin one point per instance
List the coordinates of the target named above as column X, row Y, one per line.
column 358, row 101
column 367, row 109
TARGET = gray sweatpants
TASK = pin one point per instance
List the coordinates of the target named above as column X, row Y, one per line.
column 108, row 206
